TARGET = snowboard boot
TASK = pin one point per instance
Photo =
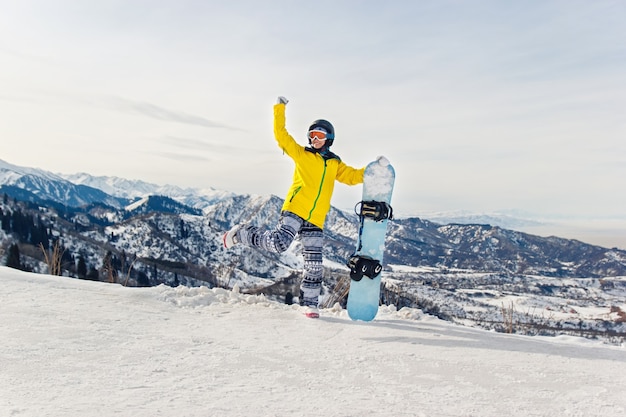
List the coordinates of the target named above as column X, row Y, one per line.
column 241, row 233
column 309, row 302
column 231, row 238
column 312, row 312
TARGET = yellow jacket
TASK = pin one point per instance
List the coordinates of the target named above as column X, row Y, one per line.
column 314, row 176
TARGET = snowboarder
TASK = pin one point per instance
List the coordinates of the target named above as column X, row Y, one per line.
column 306, row 205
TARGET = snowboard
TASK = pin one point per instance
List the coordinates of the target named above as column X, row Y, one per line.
column 365, row 264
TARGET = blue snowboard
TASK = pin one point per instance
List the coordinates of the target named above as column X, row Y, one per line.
column 366, row 263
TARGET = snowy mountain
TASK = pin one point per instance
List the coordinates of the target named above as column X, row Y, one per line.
column 417, row 242
column 464, row 273
column 77, row 190
column 39, row 186
column 136, row 189
column 412, row 241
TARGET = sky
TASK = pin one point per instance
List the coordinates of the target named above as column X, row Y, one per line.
column 481, row 106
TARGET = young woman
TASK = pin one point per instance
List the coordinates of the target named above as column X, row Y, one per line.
column 306, row 205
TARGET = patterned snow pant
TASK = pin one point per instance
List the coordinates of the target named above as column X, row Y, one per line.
column 278, row 241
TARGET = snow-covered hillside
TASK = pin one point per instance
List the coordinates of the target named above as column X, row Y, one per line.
column 82, row 348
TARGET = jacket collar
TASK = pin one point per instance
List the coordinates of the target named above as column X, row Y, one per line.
column 324, row 153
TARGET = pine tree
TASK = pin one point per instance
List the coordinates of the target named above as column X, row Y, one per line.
column 81, row 268
column 93, row 274
column 6, row 222
column 39, row 234
column 184, row 233
column 13, row 258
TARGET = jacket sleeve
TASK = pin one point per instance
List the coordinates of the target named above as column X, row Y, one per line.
column 285, row 141
column 348, row 175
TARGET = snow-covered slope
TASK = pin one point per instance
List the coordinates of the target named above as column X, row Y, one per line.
column 81, row 348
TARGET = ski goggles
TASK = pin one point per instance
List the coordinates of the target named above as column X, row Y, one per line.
column 317, row 134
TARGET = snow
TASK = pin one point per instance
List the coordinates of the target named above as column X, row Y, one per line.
column 82, row 348
column 11, row 174
column 379, row 178
column 137, row 204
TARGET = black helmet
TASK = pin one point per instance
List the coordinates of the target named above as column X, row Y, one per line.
column 328, row 127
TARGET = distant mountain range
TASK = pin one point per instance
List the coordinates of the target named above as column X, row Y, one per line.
column 132, row 190
column 504, row 219
column 150, row 234
column 411, row 241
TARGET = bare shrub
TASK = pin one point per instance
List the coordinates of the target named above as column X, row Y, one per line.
column 53, row 259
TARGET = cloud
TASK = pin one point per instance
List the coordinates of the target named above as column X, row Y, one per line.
column 157, row 112
column 180, row 157
column 209, row 146
column 127, row 106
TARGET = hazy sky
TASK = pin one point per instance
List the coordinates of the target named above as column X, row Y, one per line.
column 480, row 105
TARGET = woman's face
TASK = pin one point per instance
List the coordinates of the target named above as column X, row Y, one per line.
column 318, row 143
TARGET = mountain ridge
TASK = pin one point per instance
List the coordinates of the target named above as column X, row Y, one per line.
column 411, row 241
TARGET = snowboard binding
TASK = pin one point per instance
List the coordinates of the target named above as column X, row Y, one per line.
column 375, row 210
column 363, row 265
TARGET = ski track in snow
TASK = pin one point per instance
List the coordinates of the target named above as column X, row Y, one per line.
column 80, row 348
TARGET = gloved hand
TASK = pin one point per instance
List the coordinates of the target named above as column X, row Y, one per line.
column 282, row 100
column 382, row 160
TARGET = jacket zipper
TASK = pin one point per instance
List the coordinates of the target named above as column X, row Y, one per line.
column 296, row 191
column 319, row 192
